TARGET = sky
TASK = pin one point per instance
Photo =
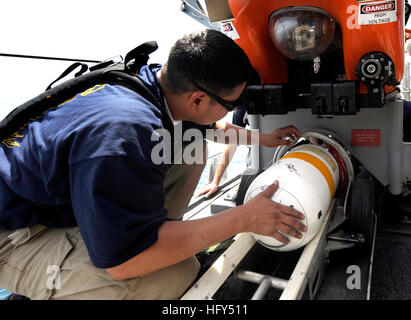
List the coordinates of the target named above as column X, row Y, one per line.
column 79, row 29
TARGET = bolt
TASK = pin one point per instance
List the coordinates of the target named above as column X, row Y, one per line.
column 371, row 68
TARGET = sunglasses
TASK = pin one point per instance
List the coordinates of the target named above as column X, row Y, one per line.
column 229, row 105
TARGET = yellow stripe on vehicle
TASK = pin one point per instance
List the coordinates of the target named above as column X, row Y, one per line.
column 318, row 164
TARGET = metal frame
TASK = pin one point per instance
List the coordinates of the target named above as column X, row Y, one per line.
column 388, row 163
column 194, row 9
column 215, row 276
column 308, row 271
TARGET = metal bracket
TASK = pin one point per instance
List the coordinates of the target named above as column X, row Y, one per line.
column 309, row 270
column 265, row 282
column 193, row 9
column 345, row 237
column 341, row 240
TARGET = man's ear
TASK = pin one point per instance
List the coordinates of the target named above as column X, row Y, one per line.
column 196, row 99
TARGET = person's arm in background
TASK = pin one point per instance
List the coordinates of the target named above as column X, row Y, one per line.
column 280, row 137
column 239, row 119
column 271, row 140
column 225, row 159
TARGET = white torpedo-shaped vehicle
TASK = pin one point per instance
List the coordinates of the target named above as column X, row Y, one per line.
column 308, row 178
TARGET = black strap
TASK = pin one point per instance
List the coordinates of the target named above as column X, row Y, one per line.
column 139, row 56
column 70, row 69
column 117, row 73
column 132, row 82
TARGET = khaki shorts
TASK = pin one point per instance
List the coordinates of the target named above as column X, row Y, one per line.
column 50, row 263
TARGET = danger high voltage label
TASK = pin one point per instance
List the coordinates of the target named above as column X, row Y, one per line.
column 378, row 12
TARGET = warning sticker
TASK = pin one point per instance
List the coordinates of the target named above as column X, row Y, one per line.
column 378, row 12
column 366, row 138
column 227, row 27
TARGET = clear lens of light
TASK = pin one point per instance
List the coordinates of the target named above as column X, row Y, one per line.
column 301, row 33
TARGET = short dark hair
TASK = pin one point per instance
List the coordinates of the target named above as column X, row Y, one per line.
column 209, row 58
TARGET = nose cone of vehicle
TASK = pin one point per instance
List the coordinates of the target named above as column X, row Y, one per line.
column 308, row 176
column 301, row 33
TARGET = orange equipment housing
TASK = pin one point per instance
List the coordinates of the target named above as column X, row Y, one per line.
column 251, row 20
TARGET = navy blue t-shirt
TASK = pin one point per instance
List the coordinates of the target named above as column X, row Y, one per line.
column 239, row 118
column 88, row 163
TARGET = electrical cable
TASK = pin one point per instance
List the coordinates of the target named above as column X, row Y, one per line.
column 12, row 55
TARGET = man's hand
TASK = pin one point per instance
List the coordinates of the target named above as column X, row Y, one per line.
column 209, row 189
column 268, row 218
column 280, row 137
column 179, row 240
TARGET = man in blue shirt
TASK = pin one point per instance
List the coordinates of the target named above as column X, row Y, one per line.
column 90, row 206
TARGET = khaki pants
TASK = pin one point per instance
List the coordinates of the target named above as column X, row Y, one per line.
column 50, row 263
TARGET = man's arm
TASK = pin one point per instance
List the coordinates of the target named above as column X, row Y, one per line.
column 275, row 138
column 179, row 240
column 239, row 132
column 225, row 159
